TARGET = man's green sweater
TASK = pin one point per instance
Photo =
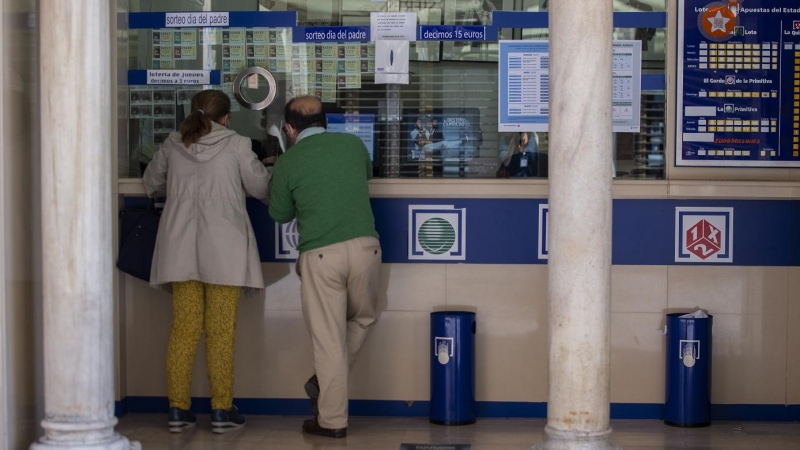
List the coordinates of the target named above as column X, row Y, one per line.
column 322, row 180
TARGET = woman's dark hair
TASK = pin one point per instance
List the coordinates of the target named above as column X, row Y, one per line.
column 302, row 118
column 207, row 106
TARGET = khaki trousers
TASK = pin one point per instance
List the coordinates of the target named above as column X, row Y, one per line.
column 339, row 292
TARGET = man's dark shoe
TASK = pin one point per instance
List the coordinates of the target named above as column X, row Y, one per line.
column 311, row 426
column 180, row 419
column 312, row 390
column 226, row 420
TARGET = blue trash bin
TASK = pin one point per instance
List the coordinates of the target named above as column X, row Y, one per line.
column 453, row 368
column 688, row 387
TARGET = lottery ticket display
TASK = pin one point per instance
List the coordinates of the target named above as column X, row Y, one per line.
column 738, row 84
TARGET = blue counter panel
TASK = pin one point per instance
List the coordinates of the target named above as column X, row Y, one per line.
column 512, row 231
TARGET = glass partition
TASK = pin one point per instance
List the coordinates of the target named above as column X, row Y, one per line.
column 451, row 100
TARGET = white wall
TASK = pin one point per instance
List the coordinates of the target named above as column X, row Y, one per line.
column 20, row 292
column 756, row 311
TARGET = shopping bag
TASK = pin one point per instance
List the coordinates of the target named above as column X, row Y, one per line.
column 138, row 240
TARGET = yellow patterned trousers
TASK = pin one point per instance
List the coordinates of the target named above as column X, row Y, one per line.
column 199, row 307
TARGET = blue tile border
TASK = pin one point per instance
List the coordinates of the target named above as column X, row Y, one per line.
column 518, row 410
column 515, row 410
column 642, row 411
column 121, row 407
column 756, row 413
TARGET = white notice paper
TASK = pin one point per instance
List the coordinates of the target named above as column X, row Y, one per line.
column 391, row 62
column 393, row 26
column 524, row 86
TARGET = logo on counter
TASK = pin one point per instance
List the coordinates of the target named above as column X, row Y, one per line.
column 437, row 232
column 544, row 225
column 703, row 235
column 286, row 240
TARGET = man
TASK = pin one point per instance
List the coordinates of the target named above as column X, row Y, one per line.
column 419, row 138
column 322, row 181
column 435, row 133
column 525, row 162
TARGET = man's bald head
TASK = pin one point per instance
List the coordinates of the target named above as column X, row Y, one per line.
column 306, row 105
column 304, row 112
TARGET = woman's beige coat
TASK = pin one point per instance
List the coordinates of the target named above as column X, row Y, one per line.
column 205, row 233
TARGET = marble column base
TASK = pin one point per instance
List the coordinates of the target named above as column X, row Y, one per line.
column 118, row 443
column 61, row 434
column 576, row 440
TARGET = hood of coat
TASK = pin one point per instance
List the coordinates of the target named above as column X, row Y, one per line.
column 208, row 146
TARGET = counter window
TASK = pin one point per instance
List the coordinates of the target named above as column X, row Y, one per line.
column 443, row 124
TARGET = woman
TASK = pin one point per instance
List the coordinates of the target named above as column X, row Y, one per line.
column 206, row 251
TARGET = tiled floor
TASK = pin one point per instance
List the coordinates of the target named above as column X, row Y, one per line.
column 369, row 433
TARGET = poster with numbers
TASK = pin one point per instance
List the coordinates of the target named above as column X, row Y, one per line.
column 173, row 45
column 321, row 69
column 234, row 60
column 524, row 86
column 738, row 83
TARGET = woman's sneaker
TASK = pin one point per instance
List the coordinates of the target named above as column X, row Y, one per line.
column 226, row 420
column 181, row 419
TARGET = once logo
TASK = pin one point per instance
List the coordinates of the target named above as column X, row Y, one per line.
column 286, row 240
column 689, row 352
column 436, row 236
column 703, row 239
column 437, row 232
column 703, row 235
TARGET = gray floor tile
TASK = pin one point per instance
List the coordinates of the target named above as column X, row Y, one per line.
column 382, row 433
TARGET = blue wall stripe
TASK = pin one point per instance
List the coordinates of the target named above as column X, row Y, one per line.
column 523, row 19
column 394, row 408
column 121, row 407
column 517, row 410
column 650, row 411
column 139, row 78
column 756, row 413
column 238, row 19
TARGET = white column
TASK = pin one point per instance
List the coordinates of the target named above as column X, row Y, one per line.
column 580, row 225
column 77, row 260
